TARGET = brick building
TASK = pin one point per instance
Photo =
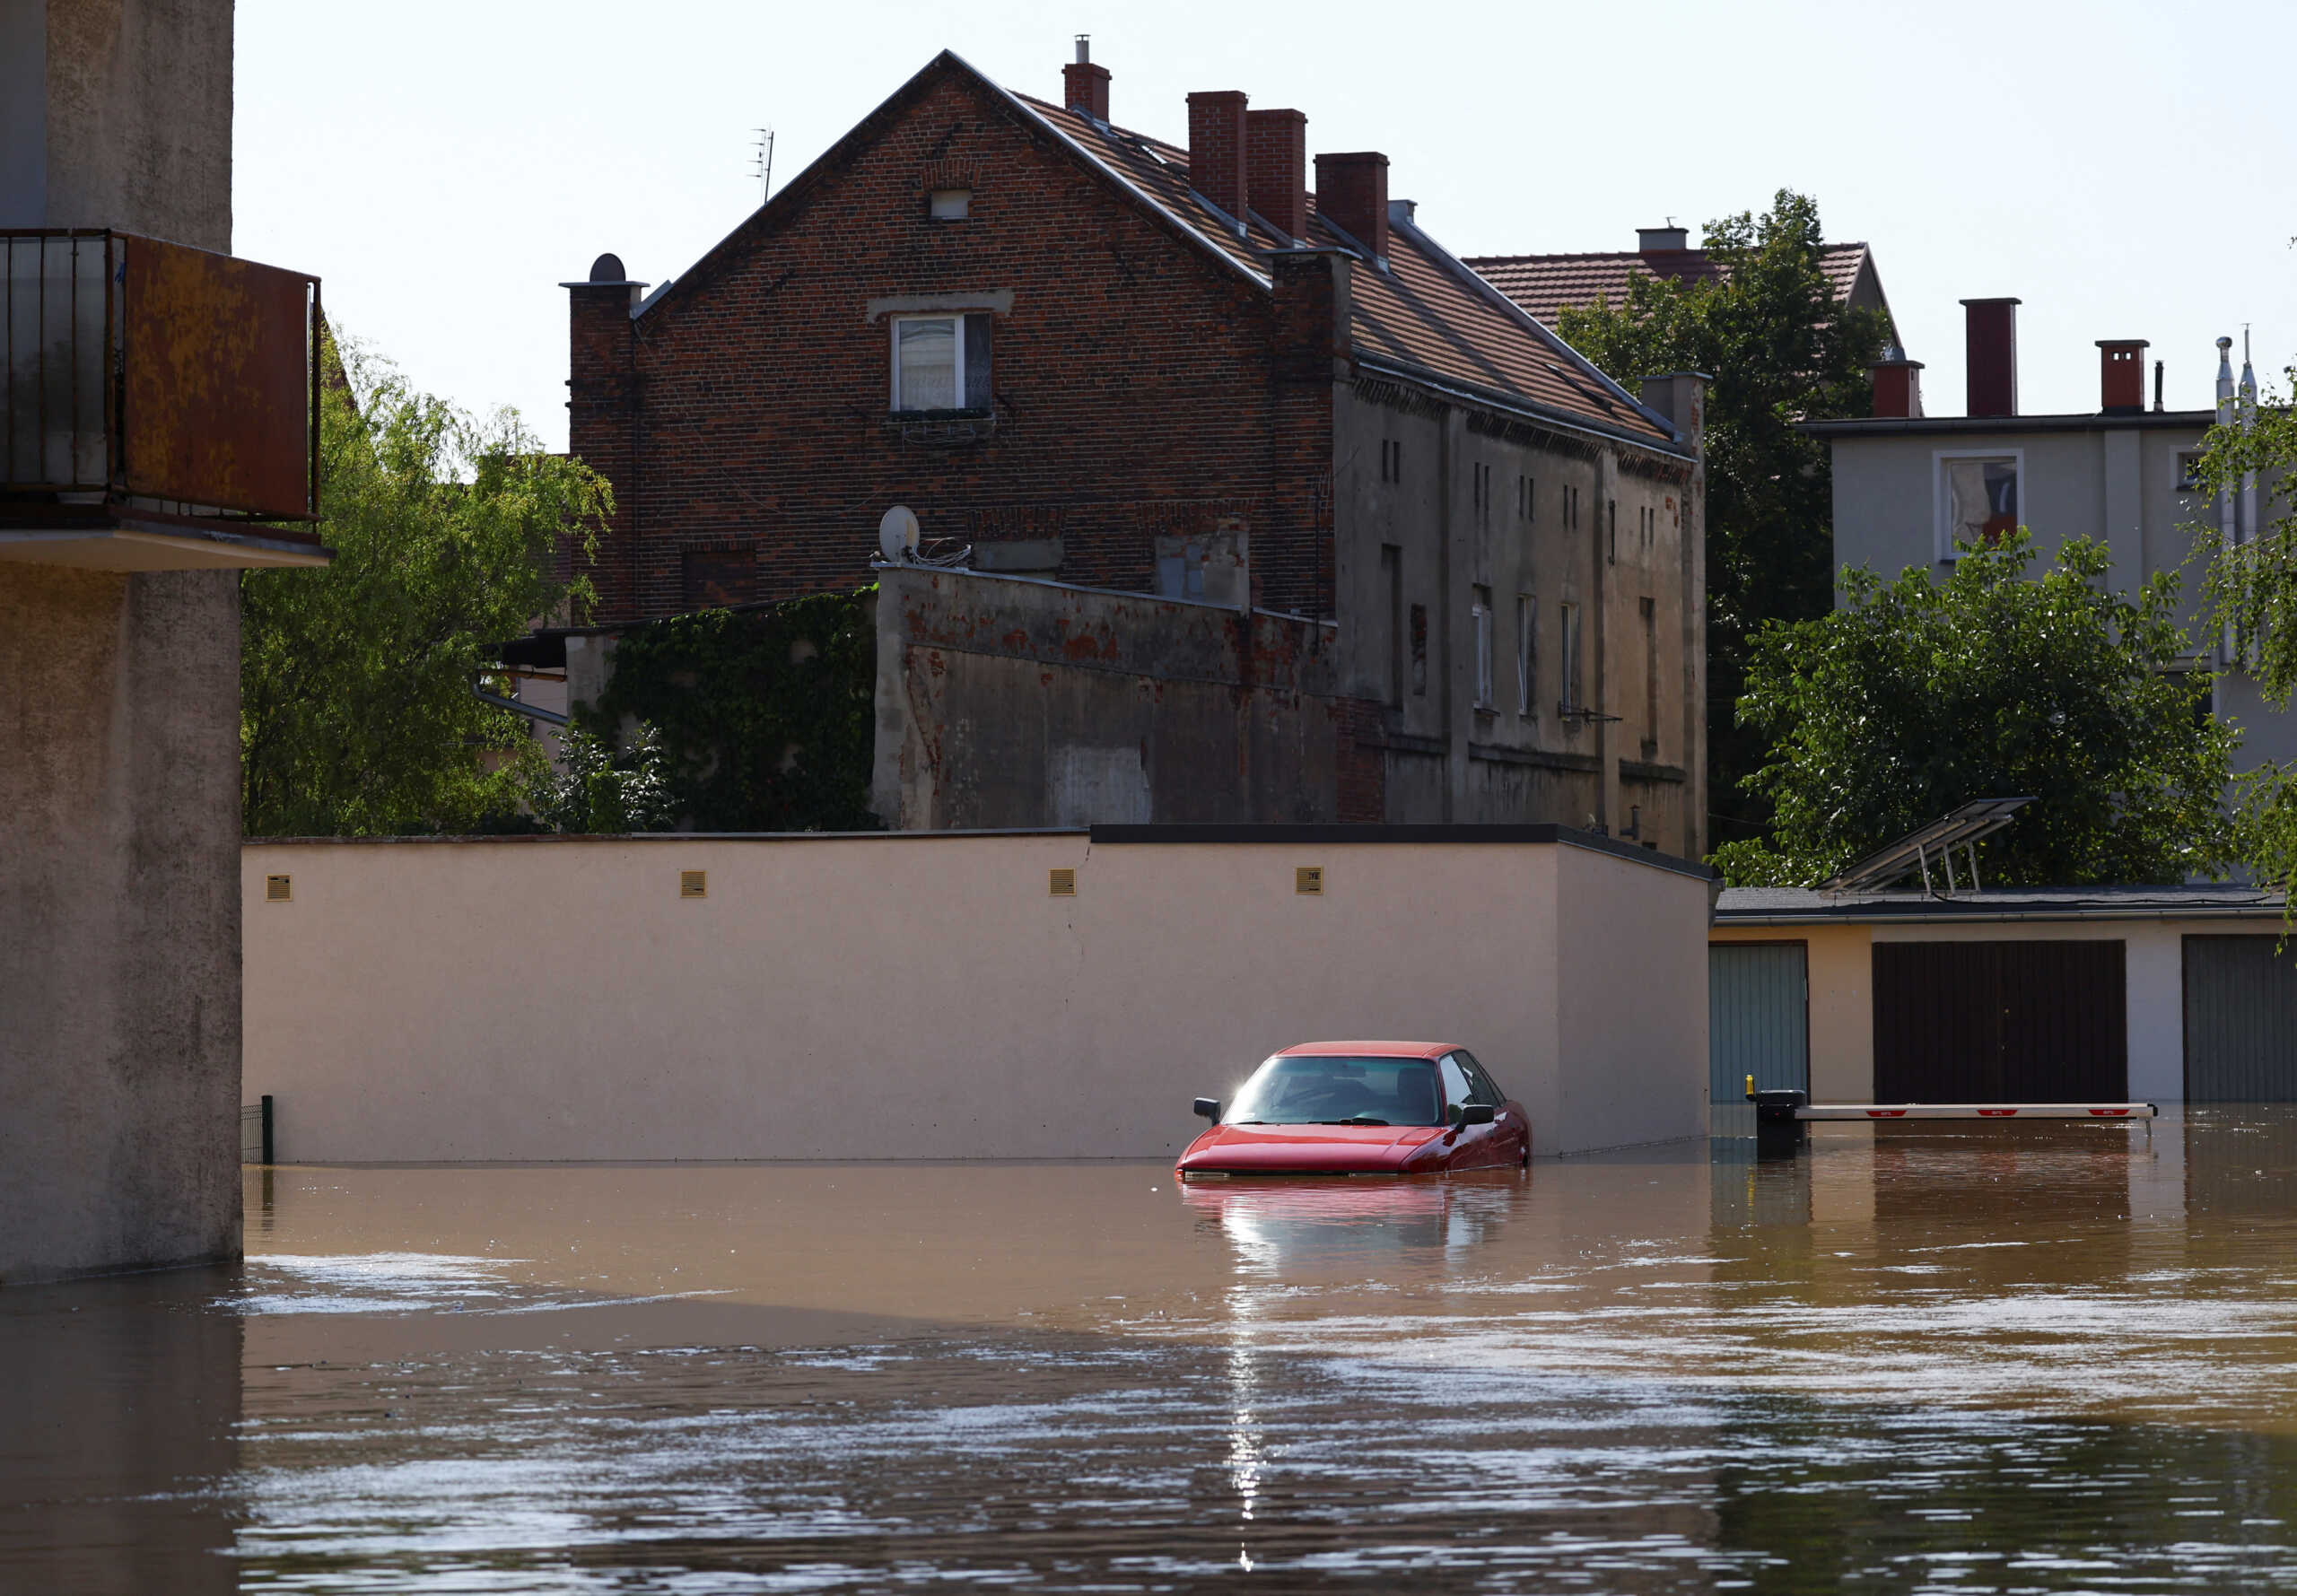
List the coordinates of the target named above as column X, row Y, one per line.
column 1463, row 567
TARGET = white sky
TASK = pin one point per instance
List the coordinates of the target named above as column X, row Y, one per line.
column 2117, row 166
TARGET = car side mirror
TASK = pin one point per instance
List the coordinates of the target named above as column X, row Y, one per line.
column 1477, row 1113
column 1209, row 1108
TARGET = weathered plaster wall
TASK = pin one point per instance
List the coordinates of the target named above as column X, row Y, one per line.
column 139, row 117
column 119, row 922
column 925, row 995
column 1010, row 702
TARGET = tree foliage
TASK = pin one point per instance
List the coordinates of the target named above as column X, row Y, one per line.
column 595, row 791
column 766, row 712
column 2250, row 591
column 1919, row 696
column 1781, row 350
column 356, row 712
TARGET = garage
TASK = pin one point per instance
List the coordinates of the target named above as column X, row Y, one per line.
column 2241, row 1020
column 1757, row 1017
column 2001, row 1021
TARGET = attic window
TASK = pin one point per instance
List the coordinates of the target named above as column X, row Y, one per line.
column 949, row 204
column 941, row 362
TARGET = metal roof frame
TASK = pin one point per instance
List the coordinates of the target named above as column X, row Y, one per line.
column 1962, row 828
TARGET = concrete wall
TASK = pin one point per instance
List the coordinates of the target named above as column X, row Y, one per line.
column 1006, row 702
column 119, row 710
column 1842, row 998
column 924, row 995
column 120, row 1054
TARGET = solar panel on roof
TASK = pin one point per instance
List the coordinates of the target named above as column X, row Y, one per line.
column 1980, row 817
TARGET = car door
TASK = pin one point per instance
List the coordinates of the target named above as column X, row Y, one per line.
column 1470, row 1144
column 1510, row 1137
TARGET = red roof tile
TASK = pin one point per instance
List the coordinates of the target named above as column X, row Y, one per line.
column 1543, row 285
column 1426, row 312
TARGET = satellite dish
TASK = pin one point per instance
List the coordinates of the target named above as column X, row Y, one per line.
column 897, row 535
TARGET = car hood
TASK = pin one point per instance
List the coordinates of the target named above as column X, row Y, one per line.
column 1304, row 1149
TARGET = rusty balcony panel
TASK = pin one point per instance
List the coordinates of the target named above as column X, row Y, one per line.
column 149, row 379
column 217, row 401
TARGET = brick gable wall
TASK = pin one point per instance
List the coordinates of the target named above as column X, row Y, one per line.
column 1138, row 391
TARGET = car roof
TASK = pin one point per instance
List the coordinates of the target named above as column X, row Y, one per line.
column 1369, row 1050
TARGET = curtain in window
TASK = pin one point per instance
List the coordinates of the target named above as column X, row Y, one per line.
column 926, row 353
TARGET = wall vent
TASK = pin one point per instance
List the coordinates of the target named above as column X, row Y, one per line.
column 694, row 884
column 278, row 889
column 1063, row 884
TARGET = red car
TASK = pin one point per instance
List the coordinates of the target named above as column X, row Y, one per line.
column 1362, row 1108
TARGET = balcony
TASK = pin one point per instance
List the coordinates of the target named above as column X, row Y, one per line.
column 162, row 406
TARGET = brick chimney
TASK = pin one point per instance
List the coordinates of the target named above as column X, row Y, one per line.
column 2121, row 376
column 1085, row 87
column 1897, row 385
column 1352, row 194
column 1991, row 329
column 1215, row 148
column 602, row 398
column 1276, row 168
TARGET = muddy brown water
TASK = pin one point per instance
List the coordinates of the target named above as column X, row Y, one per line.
column 1969, row 1358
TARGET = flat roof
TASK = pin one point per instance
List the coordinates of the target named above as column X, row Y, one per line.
column 1802, row 905
column 1909, row 426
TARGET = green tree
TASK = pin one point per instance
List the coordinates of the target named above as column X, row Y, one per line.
column 2252, row 593
column 1781, row 350
column 356, row 712
column 1919, row 695
column 594, row 789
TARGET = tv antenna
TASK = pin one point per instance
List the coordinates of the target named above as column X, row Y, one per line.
column 762, row 163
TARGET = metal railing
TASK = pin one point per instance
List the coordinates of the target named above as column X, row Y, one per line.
column 136, row 369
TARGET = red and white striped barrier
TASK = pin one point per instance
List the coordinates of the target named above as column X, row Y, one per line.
column 1976, row 1110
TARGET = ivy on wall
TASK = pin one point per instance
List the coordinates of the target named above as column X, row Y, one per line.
column 765, row 713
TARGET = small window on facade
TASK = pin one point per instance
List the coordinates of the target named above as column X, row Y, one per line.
column 1392, row 577
column 949, row 204
column 2189, row 462
column 1567, row 659
column 941, row 362
column 1981, row 497
column 1525, row 654
column 1650, row 613
column 1420, row 650
column 1480, row 484
column 1391, row 460
column 1526, row 501
column 1480, row 609
column 1611, row 532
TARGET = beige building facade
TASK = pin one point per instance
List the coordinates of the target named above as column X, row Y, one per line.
column 1017, row 995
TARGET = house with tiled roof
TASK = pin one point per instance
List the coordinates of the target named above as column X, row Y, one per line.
column 1198, row 482
column 1544, row 285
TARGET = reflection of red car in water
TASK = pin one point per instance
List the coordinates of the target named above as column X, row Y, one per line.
column 1398, row 1108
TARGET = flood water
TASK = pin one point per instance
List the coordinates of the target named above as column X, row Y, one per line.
column 1981, row 1358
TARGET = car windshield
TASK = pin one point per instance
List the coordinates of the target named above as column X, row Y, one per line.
column 1311, row 1090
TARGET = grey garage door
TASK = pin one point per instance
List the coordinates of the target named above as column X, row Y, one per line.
column 2000, row 1021
column 2241, row 1020
column 1757, row 1018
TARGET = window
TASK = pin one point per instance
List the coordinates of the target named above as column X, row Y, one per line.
column 1391, row 460
column 1526, row 497
column 1479, row 489
column 2188, row 460
column 1524, row 612
column 1647, row 525
column 1571, row 507
column 1611, row 547
column 1978, row 499
column 949, row 204
column 1392, row 578
column 1481, row 610
column 1481, row 1087
column 941, row 362
column 1456, row 1090
column 1420, row 650
column 1317, row 1089
column 1650, row 613
column 1567, row 654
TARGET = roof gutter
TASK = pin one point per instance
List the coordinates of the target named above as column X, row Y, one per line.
column 1490, row 399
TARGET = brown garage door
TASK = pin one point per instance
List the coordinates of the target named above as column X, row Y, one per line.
column 2000, row 1021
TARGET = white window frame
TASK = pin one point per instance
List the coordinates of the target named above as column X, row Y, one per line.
column 1941, row 534
column 956, row 320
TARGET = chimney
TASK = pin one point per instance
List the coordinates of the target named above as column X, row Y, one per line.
column 1215, row 148
column 1991, row 331
column 1352, row 194
column 1085, row 87
column 2121, row 376
column 1897, row 385
column 1276, row 169
column 1649, row 241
